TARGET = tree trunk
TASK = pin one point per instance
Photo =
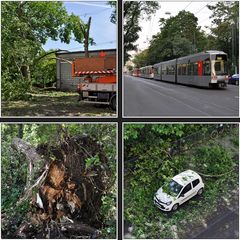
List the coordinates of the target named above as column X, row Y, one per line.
column 31, row 155
column 26, row 72
column 86, row 38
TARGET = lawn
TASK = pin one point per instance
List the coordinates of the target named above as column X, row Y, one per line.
column 54, row 103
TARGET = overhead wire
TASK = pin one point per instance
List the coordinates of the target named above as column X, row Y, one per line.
column 187, row 6
column 94, row 13
column 202, row 8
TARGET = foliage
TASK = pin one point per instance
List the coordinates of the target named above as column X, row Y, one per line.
column 140, row 59
column 26, row 26
column 225, row 31
column 154, row 167
column 114, row 12
column 44, row 71
column 175, row 39
column 14, row 90
column 133, row 11
column 92, row 161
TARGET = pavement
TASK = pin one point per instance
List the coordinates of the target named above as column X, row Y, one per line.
column 224, row 226
column 151, row 98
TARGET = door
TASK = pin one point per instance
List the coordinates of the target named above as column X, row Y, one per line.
column 186, row 193
column 66, row 81
column 196, row 186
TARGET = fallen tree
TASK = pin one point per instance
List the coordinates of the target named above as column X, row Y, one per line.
column 65, row 195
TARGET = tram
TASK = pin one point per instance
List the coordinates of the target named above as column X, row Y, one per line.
column 205, row 69
column 147, row 72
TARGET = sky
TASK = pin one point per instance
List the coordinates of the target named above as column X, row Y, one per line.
column 103, row 32
column 151, row 27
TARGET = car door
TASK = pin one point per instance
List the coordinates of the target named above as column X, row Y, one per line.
column 196, row 186
column 186, row 193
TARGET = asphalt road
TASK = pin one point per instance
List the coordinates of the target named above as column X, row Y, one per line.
column 146, row 97
column 225, row 226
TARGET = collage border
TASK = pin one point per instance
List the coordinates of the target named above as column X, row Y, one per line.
column 120, row 120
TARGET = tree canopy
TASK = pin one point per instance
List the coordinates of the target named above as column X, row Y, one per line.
column 225, row 31
column 26, row 26
column 133, row 12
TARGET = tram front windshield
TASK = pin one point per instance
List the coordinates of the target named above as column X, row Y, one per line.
column 219, row 65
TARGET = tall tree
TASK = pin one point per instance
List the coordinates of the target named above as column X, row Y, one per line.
column 225, row 31
column 175, row 39
column 133, row 12
column 26, row 26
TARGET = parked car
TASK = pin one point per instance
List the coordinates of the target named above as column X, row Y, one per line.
column 178, row 190
column 234, row 79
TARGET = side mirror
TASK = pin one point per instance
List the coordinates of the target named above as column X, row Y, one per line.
column 181, row 195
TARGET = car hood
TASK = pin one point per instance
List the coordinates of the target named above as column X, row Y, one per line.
column 163, row 197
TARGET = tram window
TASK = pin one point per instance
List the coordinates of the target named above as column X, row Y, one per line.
column 159, row 70
column 179, row 69
column 206, row 68
column 192, row 68
column 189, row 70
column 195, row 69
column 217, row 66
column 170, row 70
column 220, row 67
column 164, row 70
column 184, row 69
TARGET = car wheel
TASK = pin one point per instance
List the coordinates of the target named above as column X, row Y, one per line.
column 113, row 103
column 200, row 191
column 175, row 207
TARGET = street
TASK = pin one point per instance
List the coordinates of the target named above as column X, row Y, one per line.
column 146, row 97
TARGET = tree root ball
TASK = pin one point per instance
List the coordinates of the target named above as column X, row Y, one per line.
column 68, row 201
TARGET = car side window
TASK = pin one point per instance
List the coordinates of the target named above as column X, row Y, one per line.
column 187, row 188
column 195, row 182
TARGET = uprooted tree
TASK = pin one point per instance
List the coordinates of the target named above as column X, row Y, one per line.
column 65, row 195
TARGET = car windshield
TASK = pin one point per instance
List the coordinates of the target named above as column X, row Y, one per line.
column 172, row 188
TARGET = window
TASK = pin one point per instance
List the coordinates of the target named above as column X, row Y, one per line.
column 170, row 70
column 206, row 67
column 184, row 69
column 164, row 70
column 195, row 69
column 172, row 188
column 189, row 71
column 195, row 182
column 220, row 65
column 179, row 69
column 187, row 189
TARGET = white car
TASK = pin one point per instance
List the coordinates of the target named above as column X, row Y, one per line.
column 181, row 188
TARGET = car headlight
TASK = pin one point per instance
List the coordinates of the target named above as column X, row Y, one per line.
column 168, row 203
